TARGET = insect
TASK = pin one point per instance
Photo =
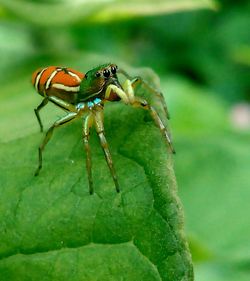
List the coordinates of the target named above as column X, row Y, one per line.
column 84, row 96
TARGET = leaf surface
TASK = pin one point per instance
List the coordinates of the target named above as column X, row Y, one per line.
column 52, row 227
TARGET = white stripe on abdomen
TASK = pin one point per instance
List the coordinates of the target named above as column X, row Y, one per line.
column 66, row 88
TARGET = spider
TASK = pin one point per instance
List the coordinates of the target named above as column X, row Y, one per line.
column 84, row 95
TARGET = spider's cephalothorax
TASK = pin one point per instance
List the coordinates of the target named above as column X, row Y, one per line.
column 96, row 82
column 84, row 95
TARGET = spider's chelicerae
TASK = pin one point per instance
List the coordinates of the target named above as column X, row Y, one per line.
column 84, row 96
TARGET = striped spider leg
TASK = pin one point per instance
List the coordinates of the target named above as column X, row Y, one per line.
column 127, row 95
column 72, row 114
column 92, row 112
column 139, row 81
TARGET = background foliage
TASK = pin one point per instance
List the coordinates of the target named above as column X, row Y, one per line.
column 201, row 51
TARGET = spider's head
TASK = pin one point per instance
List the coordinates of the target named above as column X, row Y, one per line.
column 97, row 79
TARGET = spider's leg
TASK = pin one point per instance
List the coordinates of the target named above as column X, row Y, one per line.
column 139, row 102
column 62, row 104
column 138, row 80
column 58, row 102
column 98, row 119
column 40, row 106
column 87, row 123
column 66, row 119
column 128, row 96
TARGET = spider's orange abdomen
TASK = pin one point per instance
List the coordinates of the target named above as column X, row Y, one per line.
column 57, row 81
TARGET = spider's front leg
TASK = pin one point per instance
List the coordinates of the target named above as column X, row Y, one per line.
column 138, row 80
column 128, row 96
column 87, row 124
column 140, row 102
column 98, row 120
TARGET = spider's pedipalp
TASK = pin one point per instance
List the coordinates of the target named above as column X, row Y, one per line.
column 119, row 92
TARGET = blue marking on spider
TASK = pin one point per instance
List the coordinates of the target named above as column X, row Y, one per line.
column 90, row 104
column 97, row 101
column 80, row 105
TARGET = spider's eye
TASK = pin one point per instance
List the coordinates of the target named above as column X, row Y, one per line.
column 98, row 74
column 106, row 73
column 113, row 69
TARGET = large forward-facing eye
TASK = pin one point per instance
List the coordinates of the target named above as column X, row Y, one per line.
column 113, row 69
column 106, row 73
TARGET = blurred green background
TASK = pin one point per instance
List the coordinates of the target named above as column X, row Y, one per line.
column 201, row 52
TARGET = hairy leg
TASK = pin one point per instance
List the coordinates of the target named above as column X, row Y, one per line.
column 87, row 123
column 138, row 80
column 130, row 98
column 40, row 106
column 139, row 102
column 98, row 119
column 66, row 119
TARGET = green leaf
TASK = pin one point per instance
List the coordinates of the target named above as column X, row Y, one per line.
column 52, row 229
column 100, row 10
